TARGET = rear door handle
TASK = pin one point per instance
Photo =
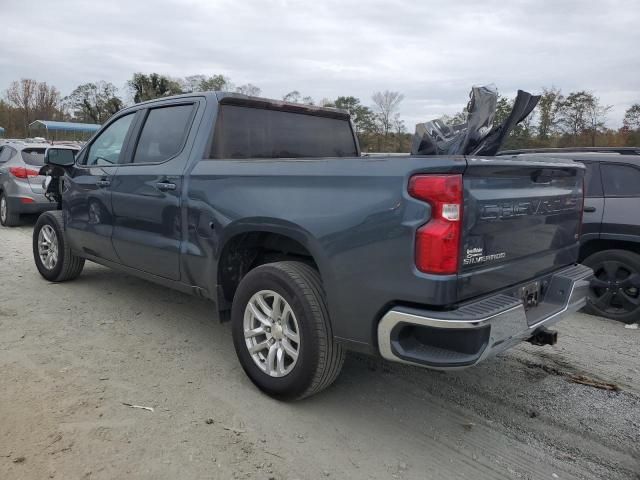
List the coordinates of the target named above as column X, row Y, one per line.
column 164, row 186
column 589, row 209
column 103, row 183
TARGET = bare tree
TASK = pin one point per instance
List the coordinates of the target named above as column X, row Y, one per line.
column 596, row 118
column 47, row 102
column 21, row 95
column 386, row 103
column 249, row 89
column 293, row 96
column 400, row 129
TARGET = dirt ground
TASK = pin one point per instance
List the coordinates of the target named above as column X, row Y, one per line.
column 73, row 355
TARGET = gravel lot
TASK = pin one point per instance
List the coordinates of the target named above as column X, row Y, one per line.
column 72, row 355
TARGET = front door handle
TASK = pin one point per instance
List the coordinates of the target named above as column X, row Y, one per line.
column 589, row 209
column 103, row 183
column 164, row 186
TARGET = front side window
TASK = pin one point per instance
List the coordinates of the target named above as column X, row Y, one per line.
column 106, row 149
column 247, row 132
column 163, row 134
column 620, row 180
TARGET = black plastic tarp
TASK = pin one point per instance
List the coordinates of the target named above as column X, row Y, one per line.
column 477, row 135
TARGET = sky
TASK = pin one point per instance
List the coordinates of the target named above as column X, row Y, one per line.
column 431, row 52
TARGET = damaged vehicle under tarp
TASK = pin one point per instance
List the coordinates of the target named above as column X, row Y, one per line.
column 477, row 135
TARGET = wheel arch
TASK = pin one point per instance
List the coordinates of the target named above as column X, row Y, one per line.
column 599, row 245
column 250, row 244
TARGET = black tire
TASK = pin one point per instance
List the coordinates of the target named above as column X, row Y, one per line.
column 615, row 289
column 320, row 357
column 68, row 265
column 9, row 218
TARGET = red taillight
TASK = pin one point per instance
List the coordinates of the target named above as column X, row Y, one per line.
column 22, row 172
column 27, row 200
column 438, row 241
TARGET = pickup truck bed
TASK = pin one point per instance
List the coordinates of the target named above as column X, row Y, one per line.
column 269, row 207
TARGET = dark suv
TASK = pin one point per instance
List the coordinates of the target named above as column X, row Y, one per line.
column 610, row 241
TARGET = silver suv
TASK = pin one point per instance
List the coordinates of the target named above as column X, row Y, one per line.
column 21, row 188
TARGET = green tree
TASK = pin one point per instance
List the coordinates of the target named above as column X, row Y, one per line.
column 581, row 113
column 503, row 109
column 632, row 117
column 548, row 107
column 147, row 87
column 362, row 116
column 94, row 102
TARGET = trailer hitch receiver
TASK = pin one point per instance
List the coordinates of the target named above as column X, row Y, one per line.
column 543, row 336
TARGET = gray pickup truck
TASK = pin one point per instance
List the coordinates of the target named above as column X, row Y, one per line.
column 312, row 249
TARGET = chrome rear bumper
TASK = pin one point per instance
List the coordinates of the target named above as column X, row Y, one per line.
column 466, row 336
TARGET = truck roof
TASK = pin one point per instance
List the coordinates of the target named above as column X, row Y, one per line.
column 232, row 98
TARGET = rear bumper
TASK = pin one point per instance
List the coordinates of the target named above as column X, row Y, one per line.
column 39, row 204
column 477, row 330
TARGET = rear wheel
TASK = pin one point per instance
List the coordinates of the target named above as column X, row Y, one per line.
column 53, row 257
column 8, row 218
column 615, row 288
column 281, row 331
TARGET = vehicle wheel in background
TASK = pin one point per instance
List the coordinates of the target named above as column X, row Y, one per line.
column 7, row 217
column 281, row 331
column 52, row 255
column 615, row 288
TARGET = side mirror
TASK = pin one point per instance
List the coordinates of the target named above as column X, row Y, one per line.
column 61, row 157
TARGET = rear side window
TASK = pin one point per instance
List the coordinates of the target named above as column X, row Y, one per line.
column 592, row 181
column 163, row 134
column 246, row 132
column 5, row 154
column 33, row 156
column 620, row 180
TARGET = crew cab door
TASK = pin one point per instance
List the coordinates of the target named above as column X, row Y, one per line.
column 87, row 190
column 147, row 188
column 621, row 219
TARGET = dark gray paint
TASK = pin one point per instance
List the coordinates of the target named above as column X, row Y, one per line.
column 352, row 214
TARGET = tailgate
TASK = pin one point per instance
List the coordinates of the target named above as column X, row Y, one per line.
column 521, row 219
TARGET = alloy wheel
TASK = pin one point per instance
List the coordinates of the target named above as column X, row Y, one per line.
column 615, row 288
column 48, row 247
column 271, row 333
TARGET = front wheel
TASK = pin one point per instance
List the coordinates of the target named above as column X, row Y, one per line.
column 281, row 331
column 615, row 288
column 53, row 257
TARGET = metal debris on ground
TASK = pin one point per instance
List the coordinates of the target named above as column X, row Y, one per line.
column 631, row 326
column 581, row 379
column 138, row 406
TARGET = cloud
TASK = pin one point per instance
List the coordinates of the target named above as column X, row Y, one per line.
column 432, row 52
